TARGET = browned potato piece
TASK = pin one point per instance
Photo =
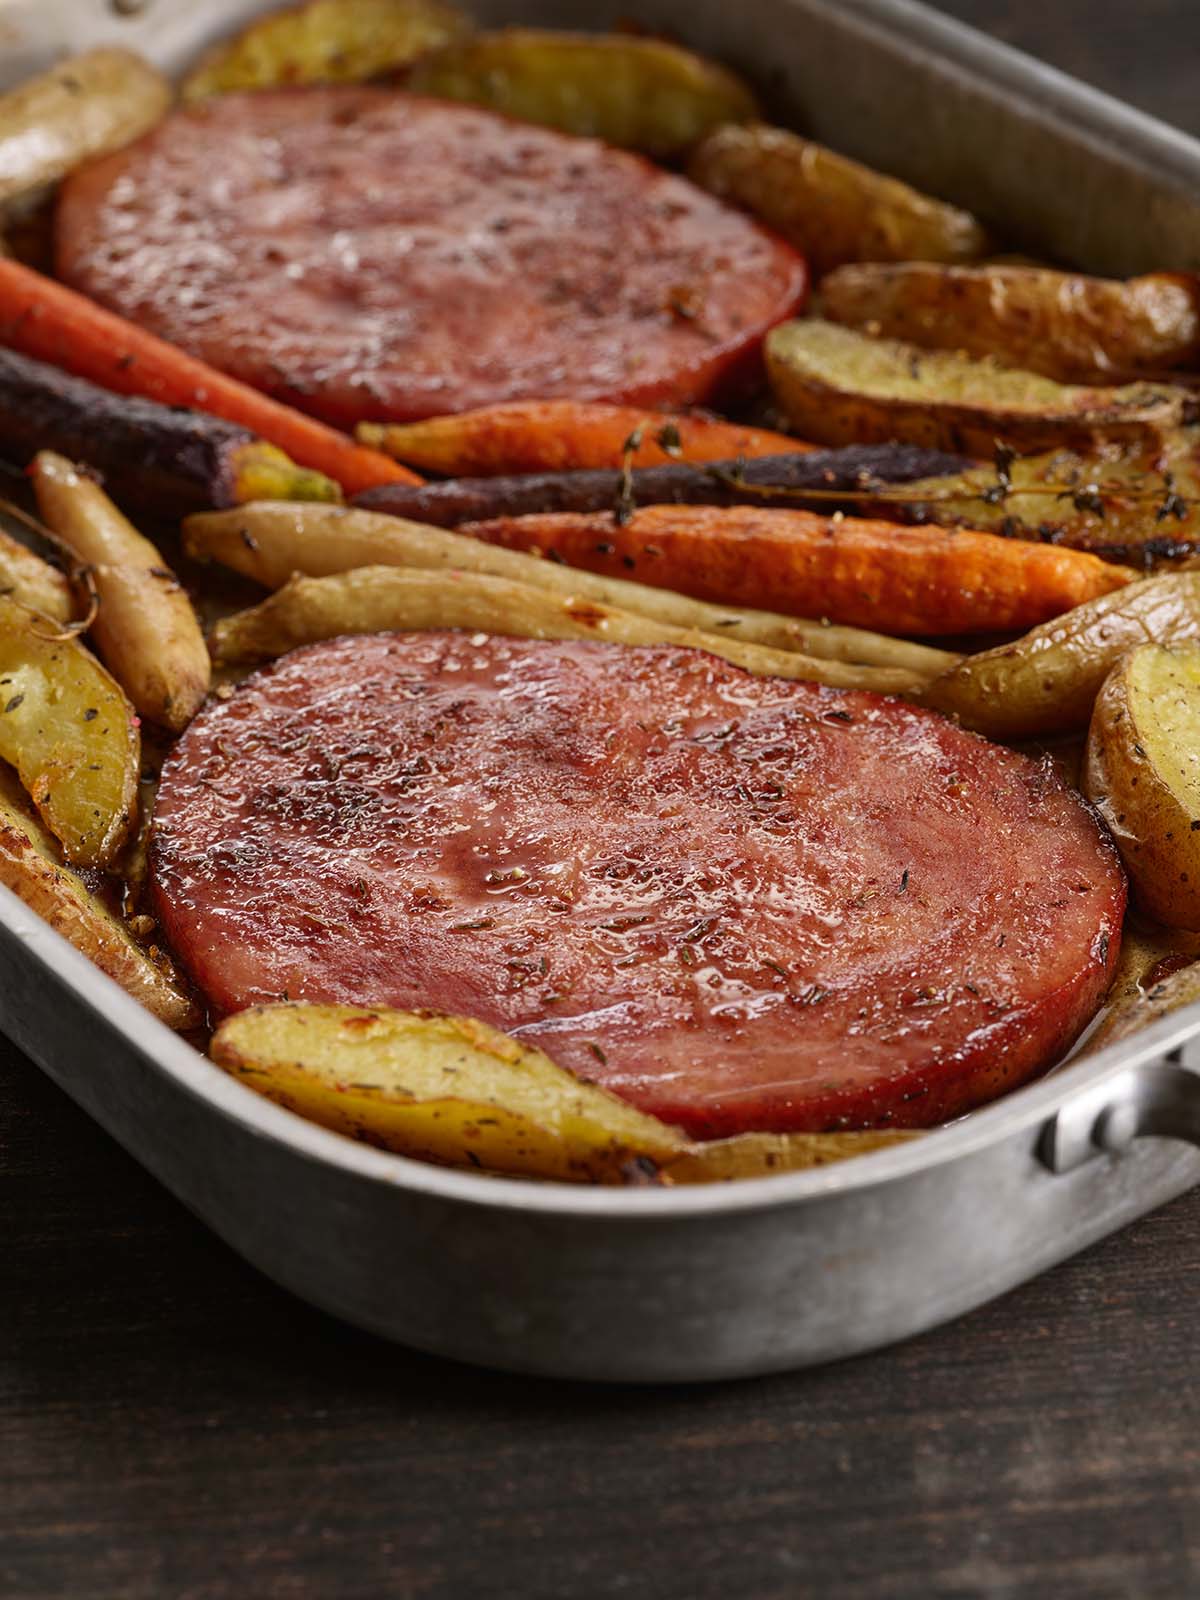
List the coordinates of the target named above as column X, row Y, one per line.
column 838, row 386
column 1060, row 324
column 759, row 1155
column 1143, row 775
column 1170, row 993
column 145, row 627
column 831, row 208
column 325, row 41
column 1140, row 506
column 272, row 541
column 84, row 106
column 71, row 734
column 34, row 583
column 31, row 867
column 397, row 599
column 1047, row 680
column 440, row 1088
column 638, row 92
column 1149, row 954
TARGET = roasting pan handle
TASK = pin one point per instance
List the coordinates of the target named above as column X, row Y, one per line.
column 1157, row 1098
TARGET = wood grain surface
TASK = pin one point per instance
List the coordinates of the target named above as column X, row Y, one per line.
column 172, row 1427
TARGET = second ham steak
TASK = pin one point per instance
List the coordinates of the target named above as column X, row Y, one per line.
column 738, row 902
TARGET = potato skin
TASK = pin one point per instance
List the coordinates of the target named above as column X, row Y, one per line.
column 642, row 94
column 84, row 106
column 1061, row 325
column 1139, row 780
column 324, row 41
column 831, row 208
column 838, row 387
column 1047, row 681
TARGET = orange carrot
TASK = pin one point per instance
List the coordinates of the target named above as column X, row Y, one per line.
column 44, row 319
column 870, row 574
column 565, row 436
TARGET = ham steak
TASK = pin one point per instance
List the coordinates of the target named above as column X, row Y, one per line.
column 363, row 253
column 738, row 902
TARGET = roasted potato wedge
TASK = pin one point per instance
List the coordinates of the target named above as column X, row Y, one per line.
column 1169, row 993
column 759, row 1155
column 1062, row 325
column 831, row 208
column 1141, row 506
column 325, row 41
column 837, row 385
column 1149, row 954
column 1143, row 775
column 638, row 92
column 145, row 627
column 454, row 1091
column 400, row 600
column 1047, row 681
column 83, row 107
column 440, row 1088
column 30, row 865
column 32, row 582
column 272, row 542
column 71, row 734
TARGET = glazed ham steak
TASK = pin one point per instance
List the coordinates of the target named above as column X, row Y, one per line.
column 738, row 902
column 369, row 255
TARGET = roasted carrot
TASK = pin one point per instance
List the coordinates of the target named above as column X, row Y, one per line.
column 565, row 436
column 46, row 320
column 902, row 580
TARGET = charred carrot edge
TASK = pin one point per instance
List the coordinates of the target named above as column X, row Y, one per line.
column 917, row 581
column 565, row 436
column 46, row 320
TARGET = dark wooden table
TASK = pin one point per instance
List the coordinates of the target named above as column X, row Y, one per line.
column 172, row 1426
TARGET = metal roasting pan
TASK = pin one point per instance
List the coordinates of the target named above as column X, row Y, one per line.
column 730, row 1280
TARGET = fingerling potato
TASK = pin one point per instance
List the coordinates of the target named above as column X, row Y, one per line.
column 325, row 41
column 84, row 106
column 837, row 386
column 145, row 627
column 1143, row 775
column 402, row 600
column 644, row 94
column 1063, row 325
column 831, row 208
column 1047, row 681
column 30, row 865
column 272, row 542
column 68, row 729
